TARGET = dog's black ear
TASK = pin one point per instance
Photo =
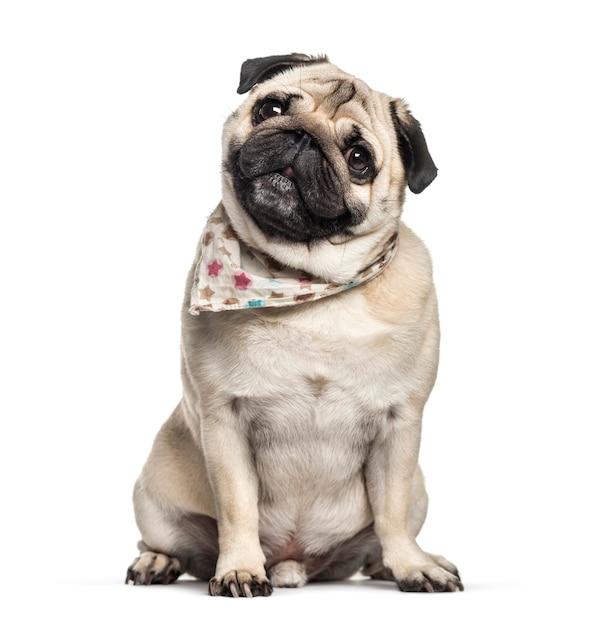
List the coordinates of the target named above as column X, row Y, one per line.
column 419, row 166
column 255, row 71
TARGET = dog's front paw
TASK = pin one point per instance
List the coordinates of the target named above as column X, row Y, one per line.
column 151, row 567
column 240, row 584
column 430, row 578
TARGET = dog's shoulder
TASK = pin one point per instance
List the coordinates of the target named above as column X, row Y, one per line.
column 405, row 290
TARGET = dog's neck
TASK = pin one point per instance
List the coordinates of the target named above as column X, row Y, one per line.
column 231, row 274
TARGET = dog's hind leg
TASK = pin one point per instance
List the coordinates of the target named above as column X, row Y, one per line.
column 151, row 567
column 193, row 550
column 174, row 511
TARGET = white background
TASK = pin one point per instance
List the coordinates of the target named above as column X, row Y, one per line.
column 110, row 121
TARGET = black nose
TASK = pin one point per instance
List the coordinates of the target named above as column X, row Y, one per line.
column 297, row 141
column 304, row 140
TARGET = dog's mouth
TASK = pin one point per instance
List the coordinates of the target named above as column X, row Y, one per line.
column 287, row 172
column 290, row 188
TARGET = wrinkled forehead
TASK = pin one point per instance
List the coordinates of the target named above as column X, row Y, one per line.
column 320, row 88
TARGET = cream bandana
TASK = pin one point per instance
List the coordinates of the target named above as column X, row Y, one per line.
column 230, row 275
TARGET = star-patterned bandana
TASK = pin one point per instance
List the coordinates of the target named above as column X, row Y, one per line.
column 230, row 275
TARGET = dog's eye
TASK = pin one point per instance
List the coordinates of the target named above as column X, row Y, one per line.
column 269, row 108
column 358, row 159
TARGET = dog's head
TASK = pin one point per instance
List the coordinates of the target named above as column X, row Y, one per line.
column 314, row 158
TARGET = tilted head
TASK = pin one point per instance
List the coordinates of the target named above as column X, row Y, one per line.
column 313, row 159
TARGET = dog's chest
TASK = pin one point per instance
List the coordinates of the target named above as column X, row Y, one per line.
column 313, row 390
column 320, row 369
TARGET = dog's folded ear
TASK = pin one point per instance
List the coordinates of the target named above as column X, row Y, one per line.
column 255, row 71
column 419, row 166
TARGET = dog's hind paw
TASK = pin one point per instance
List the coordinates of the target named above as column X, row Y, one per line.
column 288, row 574
column 153, row 568
column 239, row 584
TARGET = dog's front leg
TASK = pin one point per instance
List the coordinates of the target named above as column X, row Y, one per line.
column 399, row 501
column 240, row 570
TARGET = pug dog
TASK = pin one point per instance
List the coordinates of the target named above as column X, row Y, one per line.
column 309, row 348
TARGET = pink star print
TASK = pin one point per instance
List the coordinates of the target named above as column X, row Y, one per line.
column 215, row 267
column 242, row 280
